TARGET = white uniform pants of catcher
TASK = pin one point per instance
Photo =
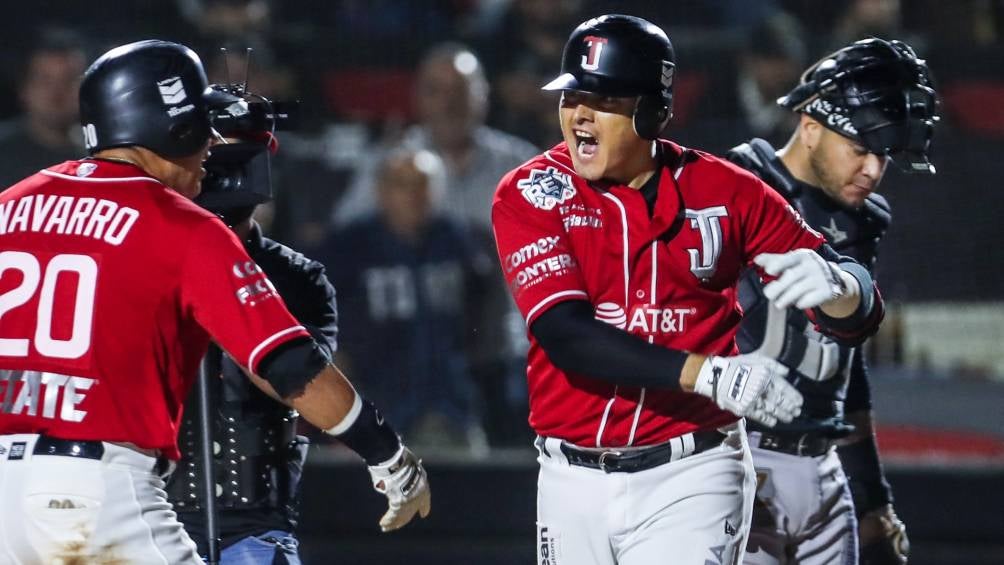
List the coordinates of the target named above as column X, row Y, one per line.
column 803, row 513
column 694, row 510
column 60, row 509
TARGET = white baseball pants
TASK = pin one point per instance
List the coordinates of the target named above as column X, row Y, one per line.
column 692, row 511
column 61, row 509
column 803, row 513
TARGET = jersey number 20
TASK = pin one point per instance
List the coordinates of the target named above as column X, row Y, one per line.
column 33, row 275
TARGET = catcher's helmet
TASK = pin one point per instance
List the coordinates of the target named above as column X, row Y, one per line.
column 877, row 93
column 149, row 93
column 617, row 55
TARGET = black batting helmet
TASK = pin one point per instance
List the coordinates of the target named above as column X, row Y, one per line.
column 149, row 93
column 877, row 93
column 617, row 55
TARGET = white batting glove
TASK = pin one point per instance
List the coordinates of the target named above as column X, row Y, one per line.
column 804, row 279
column 403, row 480
column 751, row 386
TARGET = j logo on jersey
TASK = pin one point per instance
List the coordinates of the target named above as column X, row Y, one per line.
column 704, row 261
column 591, row 60
column 546, row 188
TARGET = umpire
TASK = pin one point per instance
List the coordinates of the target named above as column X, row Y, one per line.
column 258, row 456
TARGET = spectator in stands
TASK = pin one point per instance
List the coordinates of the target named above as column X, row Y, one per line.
column 408, row 278
column 770, row 62
column 534, row 34
column 741, row 97
column 451, row 100
column 869, row 18
column 47, row 132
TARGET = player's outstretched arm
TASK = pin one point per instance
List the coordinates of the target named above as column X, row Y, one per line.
column 806, row 280
column 302, row 377
column 844, row 301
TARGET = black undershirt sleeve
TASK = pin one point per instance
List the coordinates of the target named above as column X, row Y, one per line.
column 578, row 343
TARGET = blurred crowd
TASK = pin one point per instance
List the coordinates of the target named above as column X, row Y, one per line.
column 411, row 111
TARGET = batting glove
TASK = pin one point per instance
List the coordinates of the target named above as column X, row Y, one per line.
column 804, row 279
column 403, row 480
column 751, row 386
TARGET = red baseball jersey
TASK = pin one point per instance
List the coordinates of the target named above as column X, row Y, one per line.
column 668, row 277
column 111, row 286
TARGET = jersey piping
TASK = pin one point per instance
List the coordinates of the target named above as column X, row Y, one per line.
column 552, row 298
column 268, row 341
column 89, row 179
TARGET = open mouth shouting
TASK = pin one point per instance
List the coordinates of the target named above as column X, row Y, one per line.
column 586, row 145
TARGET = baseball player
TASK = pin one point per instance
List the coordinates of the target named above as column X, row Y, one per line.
column 112, row 283
column 623, row 252
column 859, row 107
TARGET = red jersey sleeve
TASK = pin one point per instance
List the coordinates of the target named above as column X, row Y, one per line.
column 537, row 260
column 773, row 225
column 230, row 296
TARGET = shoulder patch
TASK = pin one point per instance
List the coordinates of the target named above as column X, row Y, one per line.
column 86, row 169
column 546, row 188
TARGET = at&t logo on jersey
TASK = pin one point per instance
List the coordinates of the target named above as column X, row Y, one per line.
column 610, row 313
column 649, row 320
column 546, row 188
column 643, row 319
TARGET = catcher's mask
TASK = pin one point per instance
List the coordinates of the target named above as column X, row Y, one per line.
column 877, row 93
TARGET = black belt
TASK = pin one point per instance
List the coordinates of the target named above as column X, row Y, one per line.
column 46, row 445
column 84, row 449
column 802, row 445
column 634, row 460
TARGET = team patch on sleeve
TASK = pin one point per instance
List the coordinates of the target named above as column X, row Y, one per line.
column 254, row 285
column 546, row 188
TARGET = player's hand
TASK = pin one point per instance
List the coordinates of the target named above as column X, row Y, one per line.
column 804, row 279
column 883, row 538
column 752, row 386
column 404, row 482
